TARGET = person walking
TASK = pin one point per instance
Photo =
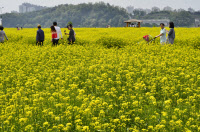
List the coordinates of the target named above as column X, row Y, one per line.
column 54, row 36
column 162, row 35
column 58, row 30
column 40, row 36
column 2, row 34
column 171, row 33
column 71, row 34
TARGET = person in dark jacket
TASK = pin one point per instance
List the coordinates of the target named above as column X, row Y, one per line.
column 171, row 33
column 71, row 34
column 40, row 36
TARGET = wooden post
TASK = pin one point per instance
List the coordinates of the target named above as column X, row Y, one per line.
column 127, row 24
column 139, row 25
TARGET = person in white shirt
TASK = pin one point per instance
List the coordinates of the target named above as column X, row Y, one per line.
column 58, row 30
column 163, row 32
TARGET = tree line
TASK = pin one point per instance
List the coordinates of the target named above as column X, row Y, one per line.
column 94, row 15
column 82, row 15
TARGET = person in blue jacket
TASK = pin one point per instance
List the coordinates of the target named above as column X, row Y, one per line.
column 40, row 36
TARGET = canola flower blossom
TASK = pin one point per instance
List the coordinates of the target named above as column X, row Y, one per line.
column 105, row 82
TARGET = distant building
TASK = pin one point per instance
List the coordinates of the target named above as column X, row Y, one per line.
column 31, row 9
column 26, row 7
column 130, row 9
column 22, row 9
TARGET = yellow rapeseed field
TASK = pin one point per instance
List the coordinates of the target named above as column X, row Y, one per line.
column 108, row 81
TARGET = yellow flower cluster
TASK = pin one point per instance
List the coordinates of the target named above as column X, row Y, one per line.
column 88, row 87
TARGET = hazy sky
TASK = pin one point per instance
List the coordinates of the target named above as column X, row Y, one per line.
column 10, row 5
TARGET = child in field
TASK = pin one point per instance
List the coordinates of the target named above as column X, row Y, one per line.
column 163, row 32
column 54, row 36
column 2, row 34
column 71, row 34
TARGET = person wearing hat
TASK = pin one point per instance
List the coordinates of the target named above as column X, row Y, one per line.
column 2, row 34
column 40, row 36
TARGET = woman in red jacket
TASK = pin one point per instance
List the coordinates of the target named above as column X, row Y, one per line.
column 54, row 36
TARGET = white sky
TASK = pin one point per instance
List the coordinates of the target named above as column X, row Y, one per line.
column 10, row 5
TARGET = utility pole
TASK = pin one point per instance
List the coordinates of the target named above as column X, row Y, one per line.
column 1, row 22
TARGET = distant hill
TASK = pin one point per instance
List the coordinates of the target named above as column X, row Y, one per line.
column 82, row 15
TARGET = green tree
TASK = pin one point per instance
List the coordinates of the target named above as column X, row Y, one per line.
column 183, row 19
column 69, row 23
